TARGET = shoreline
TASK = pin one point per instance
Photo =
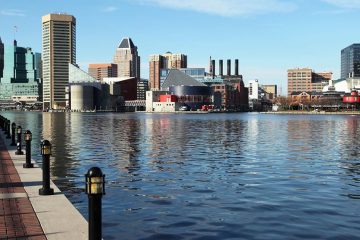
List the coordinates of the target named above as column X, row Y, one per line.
column 311, row 113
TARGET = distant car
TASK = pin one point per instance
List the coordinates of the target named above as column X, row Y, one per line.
column 184, row 108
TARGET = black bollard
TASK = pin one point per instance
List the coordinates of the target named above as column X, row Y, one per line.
column 8, row 136
column 95, row 189
column 5, row 126
column 18, row 144
column 3, row 123
column 46, row 152
column 28, row 138
column 13, row 127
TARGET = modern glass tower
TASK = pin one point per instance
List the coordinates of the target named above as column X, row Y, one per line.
column 20, row 80
column 350, row 61
column 59, row 49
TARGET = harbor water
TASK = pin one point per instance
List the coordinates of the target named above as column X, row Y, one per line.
column 209, row 176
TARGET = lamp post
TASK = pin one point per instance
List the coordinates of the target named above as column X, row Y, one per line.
column 13, row 127
column 46, row 152
column 28, row 138
column 8, row 136
column 19, row 132
column 95, row 189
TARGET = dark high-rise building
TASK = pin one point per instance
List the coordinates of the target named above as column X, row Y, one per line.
column 1, row 58
column 350, row 61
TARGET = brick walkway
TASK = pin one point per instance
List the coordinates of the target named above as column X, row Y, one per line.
column 17, row 217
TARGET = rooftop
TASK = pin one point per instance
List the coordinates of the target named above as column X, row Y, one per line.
column 177, row 78
column 126, row 43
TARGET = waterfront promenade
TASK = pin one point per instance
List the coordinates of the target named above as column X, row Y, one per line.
column 26, row 215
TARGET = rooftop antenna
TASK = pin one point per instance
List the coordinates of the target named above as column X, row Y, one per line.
column 15, row 30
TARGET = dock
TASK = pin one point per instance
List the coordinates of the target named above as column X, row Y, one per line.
column 24, row 214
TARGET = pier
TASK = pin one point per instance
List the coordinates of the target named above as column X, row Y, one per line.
column 24, row 214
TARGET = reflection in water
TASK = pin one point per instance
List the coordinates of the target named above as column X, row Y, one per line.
column 210, row 176
column 350, row 157
column 58, row 130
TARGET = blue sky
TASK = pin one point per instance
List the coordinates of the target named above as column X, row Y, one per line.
column 267, row 36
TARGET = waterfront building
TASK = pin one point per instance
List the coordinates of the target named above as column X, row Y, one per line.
column 229, row 89
column 259, row 99
column 152, row 98
column 183, row 91
column 350, row 61
column 59, row 49
column 254, row 89
column 85, row 93
column 20, row 81
column 159, row 62
column 80, row 94
column 230, row 95
column 102, row 70
column 222, row 95
column 196, row 73
column 1, row 58
column 343, row 85
column 305, row 98
column 271, row 89
column 352, row 98
column 126, row 87
column 306, row 80
column 127, row 59
column 188, row 91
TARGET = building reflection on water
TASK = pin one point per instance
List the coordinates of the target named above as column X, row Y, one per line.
column 209, row 175
column 350, row 150
column 57, row 128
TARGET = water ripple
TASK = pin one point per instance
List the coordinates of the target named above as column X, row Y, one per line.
column 212, row 176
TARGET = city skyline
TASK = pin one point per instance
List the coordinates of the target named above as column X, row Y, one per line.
column 268, row 37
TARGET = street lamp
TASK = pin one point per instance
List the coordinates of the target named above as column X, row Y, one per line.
column 95, row 189
column 46, row 152
column 19, row 132
column 28, row 138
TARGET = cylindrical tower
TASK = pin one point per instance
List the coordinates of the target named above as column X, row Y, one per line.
column 236, row 67
column 213, row 68
column 221, row 73
column 229, row 67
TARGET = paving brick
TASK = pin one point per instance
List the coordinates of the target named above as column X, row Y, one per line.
column 17, row 217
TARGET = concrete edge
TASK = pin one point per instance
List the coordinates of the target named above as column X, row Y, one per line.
column 58, row 217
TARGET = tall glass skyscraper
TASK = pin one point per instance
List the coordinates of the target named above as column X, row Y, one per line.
column 20, row 80
column 59, row 49
column 350, row 61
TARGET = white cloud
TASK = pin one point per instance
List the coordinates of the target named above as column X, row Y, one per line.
column 345, row 3
column 110, row 9
column 227, row 8
column 13, row 12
